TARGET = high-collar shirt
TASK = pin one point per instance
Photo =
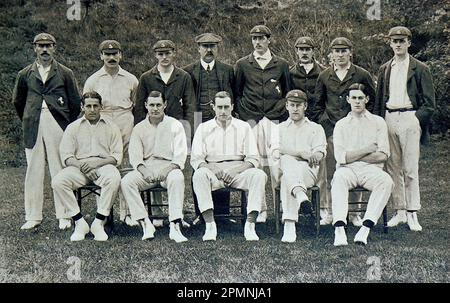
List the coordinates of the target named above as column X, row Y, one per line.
column 264, row 59
column 116, row 90
column 353, row 133
column 82, row 140
column 342, row 72
column 398, row 93
column 165, row 141
column 307, row 66
column 43, row 72
column 212, row 143
column 165, row 76
column 206, row 65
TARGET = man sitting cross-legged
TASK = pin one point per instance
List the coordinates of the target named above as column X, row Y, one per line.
column 158, row 151
column 361, row 147
column 91, row 148
column 224, row 153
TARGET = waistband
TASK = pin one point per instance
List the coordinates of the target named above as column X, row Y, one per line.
column 400, row 110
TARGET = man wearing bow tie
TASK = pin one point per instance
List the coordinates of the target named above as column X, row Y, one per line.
column 262, row 81
column 46, row 98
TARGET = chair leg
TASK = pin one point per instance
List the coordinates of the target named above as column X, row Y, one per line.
column 385, row 219
column 243, row 207
column 316, row 201
column 277, row 201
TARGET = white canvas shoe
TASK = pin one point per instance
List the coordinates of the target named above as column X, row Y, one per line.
column 250, row 232
column 175, row 233
column 289, row 234
column 65, row 223
column 356, row 220
column 361, row 235
column 98, row 230
column 340, row 238
column 130, row 222
column 30, row 224
column 148, row 229
column 210, row 232
column 413, row 221
column 81, row 230
column 399, row 218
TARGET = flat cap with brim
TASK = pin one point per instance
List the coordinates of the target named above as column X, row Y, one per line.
column 44, row 38
column 260, row 30
column 163, row 45
column 110, row 46
column 304, row 42
column 341, row 42
column 208, row 38
column 296, row 95
column 399, row 32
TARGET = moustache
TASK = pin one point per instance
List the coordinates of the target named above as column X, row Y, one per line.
column 112, row 61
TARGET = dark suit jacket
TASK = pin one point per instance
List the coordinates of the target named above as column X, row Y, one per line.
column 420, row 91
column 60, row 92
column 331, row 95
column 178, row 91
column 225, row 74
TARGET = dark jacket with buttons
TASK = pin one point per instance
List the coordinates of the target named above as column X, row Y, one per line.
column 420, row 91
column 60, row 93
column 261, row 92
column 306, row 82
column 178, row 91
column 331, row 95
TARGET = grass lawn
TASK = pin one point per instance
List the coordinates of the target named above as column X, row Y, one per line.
column 43, row 255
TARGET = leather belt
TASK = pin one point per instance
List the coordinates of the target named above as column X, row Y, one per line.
column 400, row 110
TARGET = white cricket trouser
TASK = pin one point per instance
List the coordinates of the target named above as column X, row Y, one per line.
column 133, row 183
column 71, row 178
column 252, row 180
column 47, row 142
column 295, row 174
column 368, row 176
column 403, row 164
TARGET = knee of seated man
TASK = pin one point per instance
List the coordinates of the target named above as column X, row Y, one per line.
column 176, row 175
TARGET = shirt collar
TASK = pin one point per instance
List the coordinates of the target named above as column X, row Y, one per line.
column 346, row 68
column 215, row 124
column 205, row 65
column 267, row 55
column 104, row 72
column 366, row 114
column 83, row 119
column 290, row 121
column 40, row 66
column 404, row 62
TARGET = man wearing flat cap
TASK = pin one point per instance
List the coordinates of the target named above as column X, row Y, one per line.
column 46, row 99
column 116, row 87
column 209, row 76
column 176, row 86
column 301, row 147
column 262, row 81
column 405, row 98
column 331, row 105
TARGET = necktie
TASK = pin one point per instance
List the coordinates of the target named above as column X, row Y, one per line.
column 208, row 68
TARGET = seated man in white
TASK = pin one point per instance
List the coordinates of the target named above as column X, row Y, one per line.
column 224, row 153
column 301, row 148
column 361, row 147
column 158, row 152
column 91, row 148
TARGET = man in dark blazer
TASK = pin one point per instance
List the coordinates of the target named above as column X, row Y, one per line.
column 405, row 98
column 46, row 99
column 210, row 76
column 331, row 105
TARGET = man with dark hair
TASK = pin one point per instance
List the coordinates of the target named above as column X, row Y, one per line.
column 116, row 86
column 262, row 81
column 158, row 151
column 331, row 106
column 405, row 98
column 46, row 99
column 91, row 148
column 224, row 153
column 361, row 146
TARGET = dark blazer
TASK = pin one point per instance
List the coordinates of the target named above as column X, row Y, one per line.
column 60, row 93
column 306, row 82
column 420, row 91
column 331, row 95
column 225, row 74
column 260, row 93
column 178, row 91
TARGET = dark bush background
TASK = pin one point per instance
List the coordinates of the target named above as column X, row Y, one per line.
column 138, row 24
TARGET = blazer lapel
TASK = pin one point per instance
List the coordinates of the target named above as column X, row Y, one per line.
column 35, row 72
column 219, row 73
column 52, row 71
column 411, row 68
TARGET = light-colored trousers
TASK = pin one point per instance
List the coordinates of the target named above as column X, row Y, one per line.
column 368, row 176
column 252, row 180
column 266, row 132
column 71, row 178
column 403, row 164
column 295, row 174
column 124, row 119
column 47, row 142
column 133, row 183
